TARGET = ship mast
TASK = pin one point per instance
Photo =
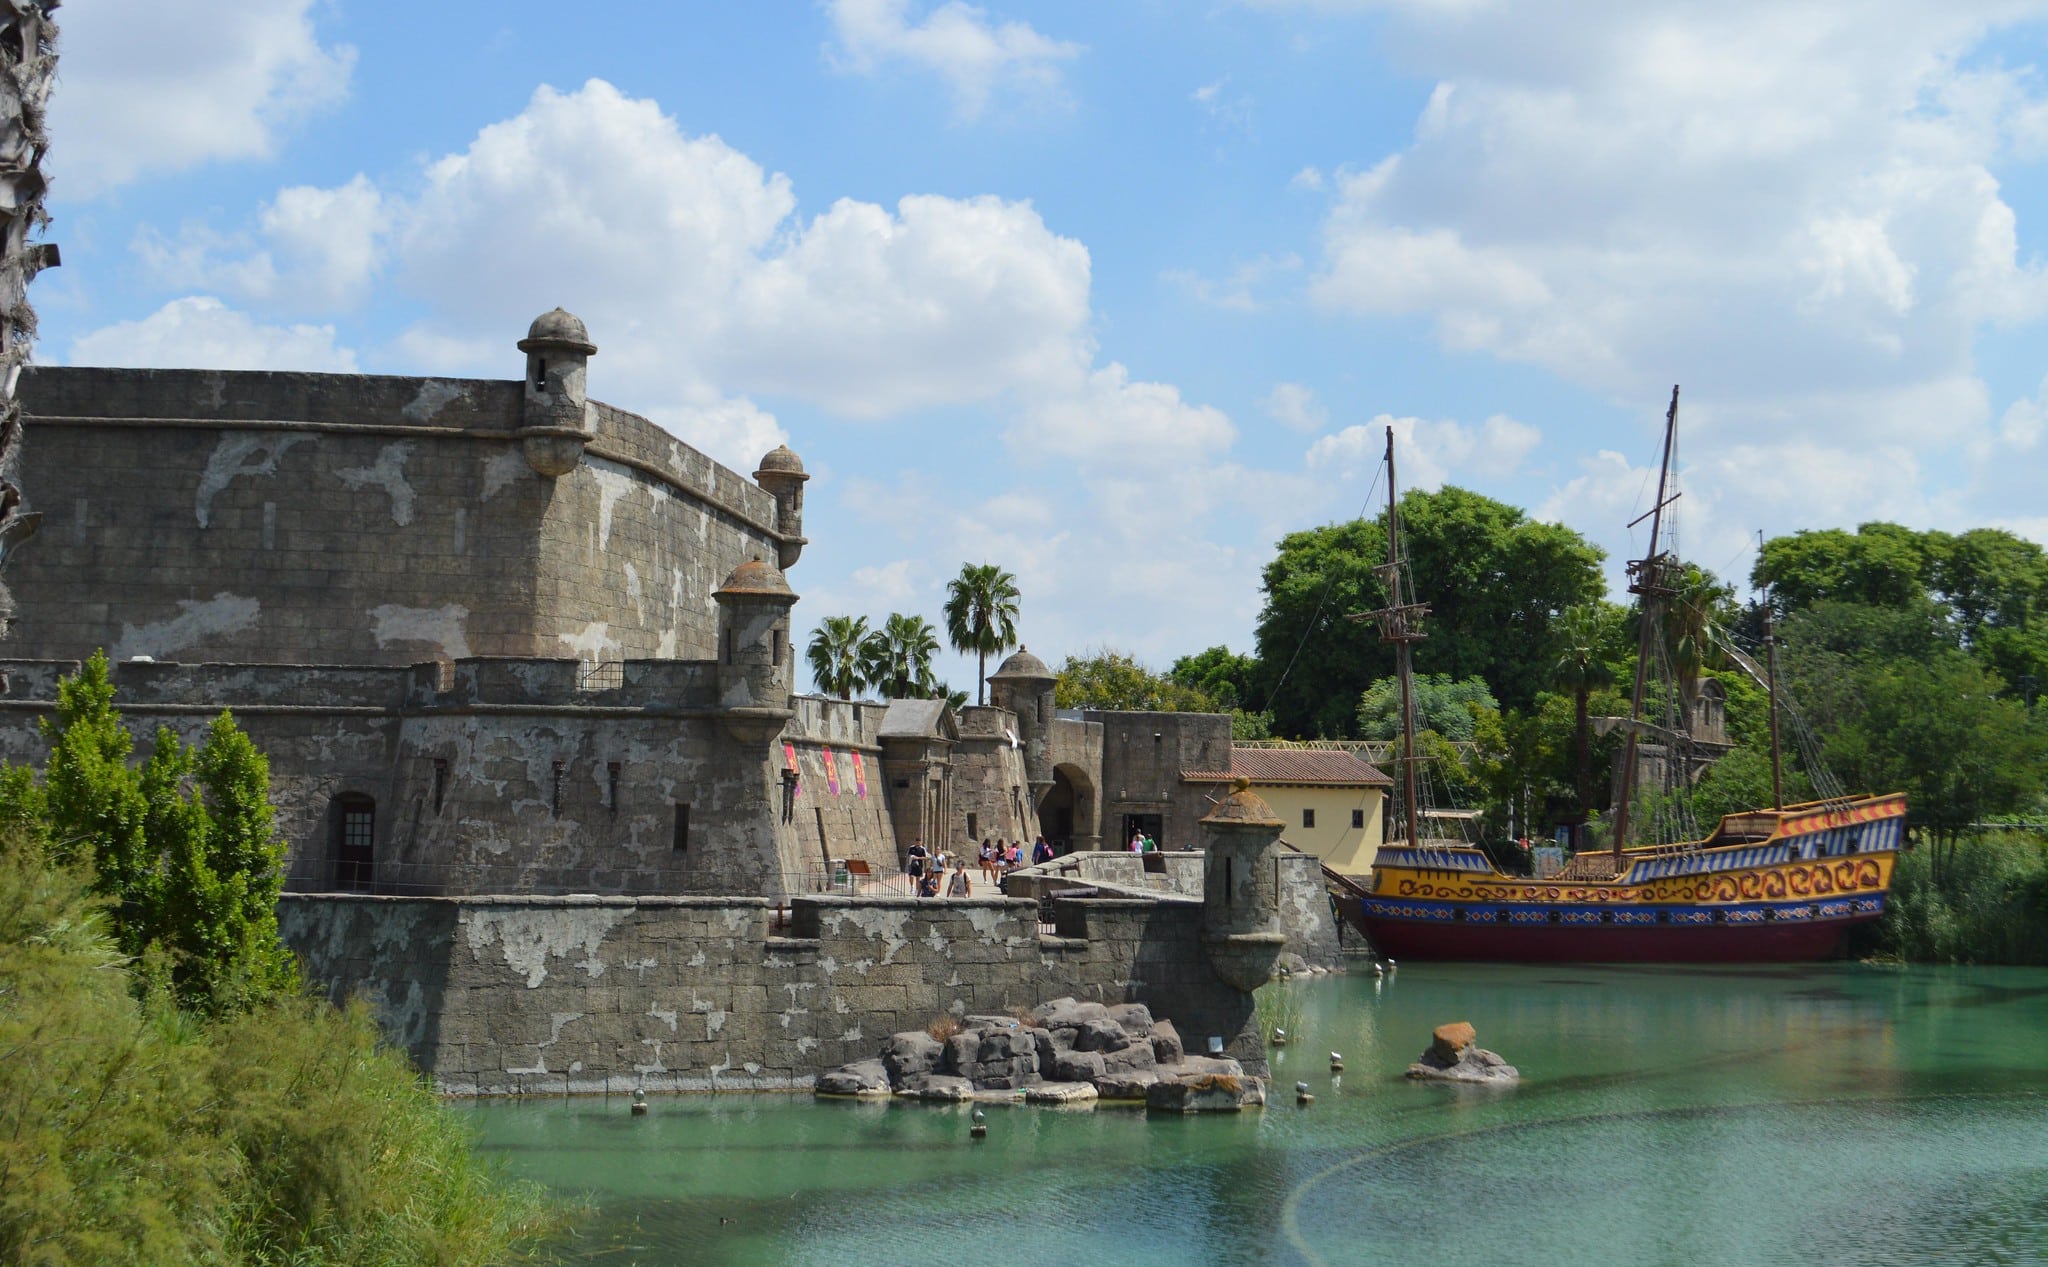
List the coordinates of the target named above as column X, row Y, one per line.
column 1400, row 623
column 1771, row 689
column 1652, row 578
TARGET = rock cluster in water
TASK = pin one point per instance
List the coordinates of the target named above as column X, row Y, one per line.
column 1454, row 1055
column 1061, row 1052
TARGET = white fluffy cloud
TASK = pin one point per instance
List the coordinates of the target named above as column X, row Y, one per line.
column 975, row 55
column 689, row 262
column 1430, row 453
column 1295, row 407
column 200, row 332
column 152, row 87
column 1789, row 197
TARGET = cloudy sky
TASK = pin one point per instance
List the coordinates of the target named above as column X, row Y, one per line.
column 1115, row 295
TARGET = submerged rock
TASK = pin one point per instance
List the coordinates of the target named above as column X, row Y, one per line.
column 1206, row 1093
column 1454, row 1055
column 863, row 1077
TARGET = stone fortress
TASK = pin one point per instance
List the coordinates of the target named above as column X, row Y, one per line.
column 524, row 666
column 499, row 637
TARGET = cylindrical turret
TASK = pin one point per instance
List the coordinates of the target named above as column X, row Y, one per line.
column 754, row 655
column 554, row 424
column 1241, row 889
column 782, row 474
column 1024, row 685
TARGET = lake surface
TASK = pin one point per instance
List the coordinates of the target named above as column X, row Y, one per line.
column 1839, row 1114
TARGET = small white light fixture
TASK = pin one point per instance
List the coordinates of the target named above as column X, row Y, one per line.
column 1215, row 1044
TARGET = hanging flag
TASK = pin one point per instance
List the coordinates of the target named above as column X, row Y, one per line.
column 831, row 772
column 789, row 755
column 860, row 776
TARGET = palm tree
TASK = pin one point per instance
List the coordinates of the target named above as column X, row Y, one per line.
column 835, row 655
column 981, row 616
column 1579, row 669
column 897, row 658
column 1692, row 628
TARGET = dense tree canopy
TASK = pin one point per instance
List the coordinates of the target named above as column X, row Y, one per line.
column 1111, row 679
column 1494, row 578
column 1451, row 709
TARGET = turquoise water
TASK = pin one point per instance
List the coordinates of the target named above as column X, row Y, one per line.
column 1838, row 1114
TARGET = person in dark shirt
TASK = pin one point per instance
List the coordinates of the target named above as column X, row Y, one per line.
column 916, row 866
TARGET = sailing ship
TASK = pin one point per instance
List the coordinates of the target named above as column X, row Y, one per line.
column 1770, row 885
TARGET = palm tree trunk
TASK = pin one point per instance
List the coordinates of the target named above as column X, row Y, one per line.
column 981, row 678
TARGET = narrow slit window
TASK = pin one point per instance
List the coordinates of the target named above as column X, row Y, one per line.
column 611, row 778
column 440, row 782
column 682, row 836
column 555, row 792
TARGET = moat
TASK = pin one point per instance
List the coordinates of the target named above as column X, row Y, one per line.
column 1839, row 1114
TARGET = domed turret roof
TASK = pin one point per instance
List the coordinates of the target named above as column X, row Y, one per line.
column 756, row 577
column 1026, row 666
column 1243, row 807
column 780, row 461
column 558, row 328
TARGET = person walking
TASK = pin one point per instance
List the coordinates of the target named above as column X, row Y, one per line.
column 988, row 859
column 1041, row 851
column 959, row 885
column 914, row 868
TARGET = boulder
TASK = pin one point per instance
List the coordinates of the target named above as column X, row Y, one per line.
column 1205, row 1064
column 1060, row 1093
column 1101, row 1035
column 1077, row 1066
column 1166, row 1044
column 938, row 1086
column 1135, row 1018
column 1068, row 1013
column 1135, row 1056
column 960, row 1050
column 1449, row 1040
column 1454, row 1055
column 1126, row 1086
column 911, row 1054
column 863, row 1078
column 1205, row 1093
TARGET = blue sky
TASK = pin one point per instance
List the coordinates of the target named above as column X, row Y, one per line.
column 1115, row 295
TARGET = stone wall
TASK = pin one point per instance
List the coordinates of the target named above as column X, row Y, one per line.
column 342, row 518
column 511, row 777
column 498, row 996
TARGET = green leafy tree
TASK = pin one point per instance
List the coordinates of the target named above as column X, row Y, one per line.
column 1494, row 579
column 897, row 658
column 835, row 655
column 1451, row 709
column 1693, row 620
column 1115, row 680
column 1218, row 673
column 185, row 848
column 981, row 617
column 1940, row 732
column 1879, row 565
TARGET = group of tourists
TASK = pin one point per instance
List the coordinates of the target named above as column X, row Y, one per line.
column 1141, row 843
column 930, row 873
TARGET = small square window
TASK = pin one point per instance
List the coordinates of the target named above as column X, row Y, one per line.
column 1308, row 818
column 1357, row 818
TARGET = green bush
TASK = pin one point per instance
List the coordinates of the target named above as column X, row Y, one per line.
column 1990, row 904
column 132, row 1132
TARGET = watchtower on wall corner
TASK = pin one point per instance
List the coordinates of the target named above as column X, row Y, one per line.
column 555, row 421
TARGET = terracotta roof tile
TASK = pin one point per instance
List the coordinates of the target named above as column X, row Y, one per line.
column 1322, row 767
